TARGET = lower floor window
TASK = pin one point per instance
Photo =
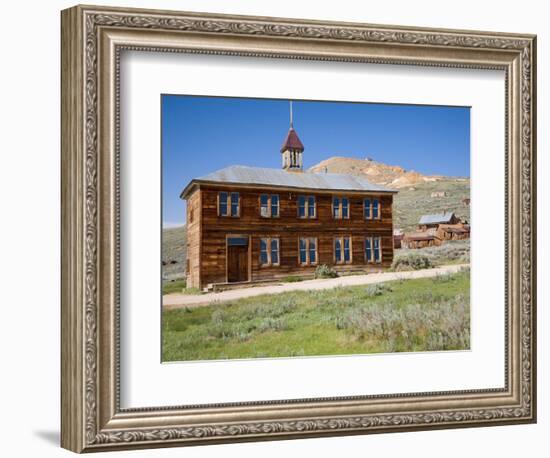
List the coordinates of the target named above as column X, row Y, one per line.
column 308, row 250
column 269, row 252
column 373, row 251
column 342, row 250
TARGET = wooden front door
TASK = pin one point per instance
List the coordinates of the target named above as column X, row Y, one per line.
column 237, row 261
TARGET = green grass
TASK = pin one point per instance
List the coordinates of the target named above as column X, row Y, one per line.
column 174, row 286
column 404, row 315
column 178, row 287
column 292, row 279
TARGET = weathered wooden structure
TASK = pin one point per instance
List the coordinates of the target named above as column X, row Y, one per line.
column 397, row 238
column 421, row 239
column 458, row 231
column 250, row 224
column 433, row 230
column 433, row 221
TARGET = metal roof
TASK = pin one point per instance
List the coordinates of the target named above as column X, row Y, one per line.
column 436, row 218
column 240, row 174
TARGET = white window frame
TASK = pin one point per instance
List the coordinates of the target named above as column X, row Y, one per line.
column 371, row 207
column 341, row 207
column 342, row 249
column 307, row 206
column 268, row 247
column 308, row 259
column 270, row 205
column 372, row 259
column 229, row 204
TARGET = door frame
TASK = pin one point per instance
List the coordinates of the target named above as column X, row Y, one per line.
column 227, row 237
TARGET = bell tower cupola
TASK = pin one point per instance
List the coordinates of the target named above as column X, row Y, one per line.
column 292, row 149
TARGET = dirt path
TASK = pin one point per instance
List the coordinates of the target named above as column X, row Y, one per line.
column 172, row 301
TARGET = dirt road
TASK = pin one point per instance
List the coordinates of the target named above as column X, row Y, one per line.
column 171, row 301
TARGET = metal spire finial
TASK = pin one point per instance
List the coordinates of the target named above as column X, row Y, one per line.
column 291, row 124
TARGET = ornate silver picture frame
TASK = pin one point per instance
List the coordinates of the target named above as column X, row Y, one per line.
column 93, row 39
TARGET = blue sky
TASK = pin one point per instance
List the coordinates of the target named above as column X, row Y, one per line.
column 204, row 134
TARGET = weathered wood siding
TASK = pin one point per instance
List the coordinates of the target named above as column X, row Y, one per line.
column 194, row 217
column 288, row 228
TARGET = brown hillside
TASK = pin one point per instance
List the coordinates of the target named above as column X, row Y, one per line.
column 388, row 175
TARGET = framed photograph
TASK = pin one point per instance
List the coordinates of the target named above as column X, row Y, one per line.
column 278, row 228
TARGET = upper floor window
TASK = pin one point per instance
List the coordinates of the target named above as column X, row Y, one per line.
column 229, row 204
column 308, row 250
column 371, row 208
column 269, row 252
column 340, row 207
column 373, row 249
column 269, row 205
column 342, row 250
column 307, row 207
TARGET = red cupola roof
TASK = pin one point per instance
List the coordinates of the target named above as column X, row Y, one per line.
column 292, row 142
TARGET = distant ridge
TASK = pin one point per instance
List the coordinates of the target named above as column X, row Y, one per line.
column 392, row 176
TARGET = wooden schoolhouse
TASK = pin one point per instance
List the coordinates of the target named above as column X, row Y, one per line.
column 250, row 224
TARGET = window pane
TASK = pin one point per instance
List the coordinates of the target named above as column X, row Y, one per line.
column 264, row 209
column 368, row 249
column 263, row 257
column 312, row 251
column 345, row 207
column 222, row 197
column 336, row 207
column 377, row 249
column 337, row 250
column 302, row 206
column 375, row 208
column 347, row 254
column 303, row 259
column 303, row 252
column 275, row 205
column 223, row 207
column 263, row 251
column 367, row 208
column 274, row 251
column 234, row 203
column 311, row 207
column 237, row 241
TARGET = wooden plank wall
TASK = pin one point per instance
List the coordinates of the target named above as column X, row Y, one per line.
column 289, row 228
column 193, row 240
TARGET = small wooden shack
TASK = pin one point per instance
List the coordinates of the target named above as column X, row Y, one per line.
column 421, row 239
column 433, row 221
column 458, row 231
column 397, row 238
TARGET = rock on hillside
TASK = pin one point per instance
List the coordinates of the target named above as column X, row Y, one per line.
column 392, row 176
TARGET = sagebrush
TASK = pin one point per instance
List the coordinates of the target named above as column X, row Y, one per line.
column 404, row 315
column 324, row 271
